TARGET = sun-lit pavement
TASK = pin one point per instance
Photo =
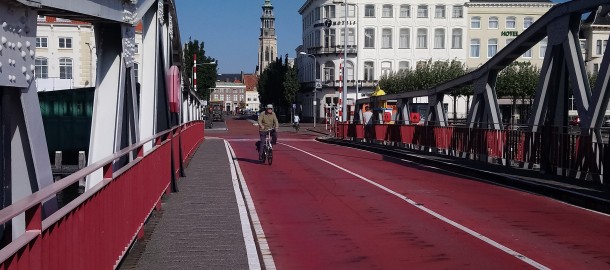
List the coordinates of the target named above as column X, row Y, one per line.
column 329, row 207
column 321, row 206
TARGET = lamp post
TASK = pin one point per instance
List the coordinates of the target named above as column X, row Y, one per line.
column 315, row 72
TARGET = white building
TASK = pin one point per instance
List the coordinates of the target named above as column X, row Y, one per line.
column 66, row 54
column 383, row 36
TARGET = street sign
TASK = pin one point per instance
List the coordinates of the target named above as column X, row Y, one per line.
column 318, row 84
column 328, row 23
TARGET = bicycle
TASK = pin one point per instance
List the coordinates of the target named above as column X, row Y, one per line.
column 268, row 148
column 296, row 126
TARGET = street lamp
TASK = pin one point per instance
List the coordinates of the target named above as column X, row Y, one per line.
column 315, row 71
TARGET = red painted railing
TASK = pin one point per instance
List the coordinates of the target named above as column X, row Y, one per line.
column 556, row 148
column 95, row 230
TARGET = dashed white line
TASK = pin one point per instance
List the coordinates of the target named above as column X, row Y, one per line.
column 463, row 228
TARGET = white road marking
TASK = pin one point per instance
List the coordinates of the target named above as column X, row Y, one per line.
column 249, row 211
column 251, row 251
column 431, row 212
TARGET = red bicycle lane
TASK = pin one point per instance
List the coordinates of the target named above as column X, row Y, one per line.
column 318, row 217
column 549, row 232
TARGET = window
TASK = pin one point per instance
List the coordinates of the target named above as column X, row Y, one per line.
column 527, row 22
column 369, row 38
column 439, row 38
column 351, row 11
column 41, row 69
column 528, row 54
column 493, row 22
column 595, row 68
column 405, row 11
column 65, row 43
column 137, row 48
column 329, row 11
column 316, row 39
column 369, row 11
column 439, row 11
column 543, row 45
column 422, row 11
column 456, row 40
column 492, row 47
column 475, row 48
column 475, row 22
column 386, row 68
column 351, row 36
column 600, row 45
column 422, row 38
column 329, row 38
column 386, row 38
column 349, row 69
column 458, row 12
column 403, row 66
column 369, row 71
column 511, row 22
column 329, row 71
column 65, row 68
column 42, row 42
column 316, row 14
column 136, row 69
column 386, row 11
column 404, row 39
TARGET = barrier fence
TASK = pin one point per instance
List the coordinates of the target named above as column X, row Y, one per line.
column 95, row 230
column 553, row 149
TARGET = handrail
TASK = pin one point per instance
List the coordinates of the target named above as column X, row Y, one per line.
column 533, row 34
column 38, row 197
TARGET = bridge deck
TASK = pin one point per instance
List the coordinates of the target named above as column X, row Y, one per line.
column 200, row 226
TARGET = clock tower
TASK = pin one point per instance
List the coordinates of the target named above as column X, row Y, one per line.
column 267, row 48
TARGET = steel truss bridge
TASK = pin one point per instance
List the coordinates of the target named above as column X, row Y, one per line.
column 142, row 144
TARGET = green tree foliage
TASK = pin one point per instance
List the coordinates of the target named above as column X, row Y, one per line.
column 425, row 75
column 518, row 80
column 278, row 85
column 206, row 74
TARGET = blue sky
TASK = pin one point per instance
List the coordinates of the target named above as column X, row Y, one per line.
column 230, row 29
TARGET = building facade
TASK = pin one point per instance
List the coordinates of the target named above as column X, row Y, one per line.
column 594, row 38
column 492, row 24
column 230, row 93
column 66, row 54
column 267, row 49
column 383, row 36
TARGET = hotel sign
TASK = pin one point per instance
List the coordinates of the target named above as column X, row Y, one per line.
column 509, row 33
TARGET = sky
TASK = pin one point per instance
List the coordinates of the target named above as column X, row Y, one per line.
column 230, row 29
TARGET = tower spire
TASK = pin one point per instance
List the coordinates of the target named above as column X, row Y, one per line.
column 267, row 50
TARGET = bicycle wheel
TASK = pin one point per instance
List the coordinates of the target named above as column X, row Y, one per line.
column 269, row 156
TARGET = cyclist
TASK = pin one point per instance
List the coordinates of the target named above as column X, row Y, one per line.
column 296, row 121
column 267, row 121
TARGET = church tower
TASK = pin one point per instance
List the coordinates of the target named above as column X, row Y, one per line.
column 267, row 48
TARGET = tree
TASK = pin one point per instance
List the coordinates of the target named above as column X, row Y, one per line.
column 206, row 74
column 278, row 85
column 517, row 81
column 291, row 85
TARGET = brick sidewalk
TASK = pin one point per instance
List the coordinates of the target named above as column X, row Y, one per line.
column 200, row 226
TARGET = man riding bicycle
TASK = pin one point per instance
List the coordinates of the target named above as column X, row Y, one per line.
column 267, row 121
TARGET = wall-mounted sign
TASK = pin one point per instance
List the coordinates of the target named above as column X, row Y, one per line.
column 329, row 23
column 509, row 33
